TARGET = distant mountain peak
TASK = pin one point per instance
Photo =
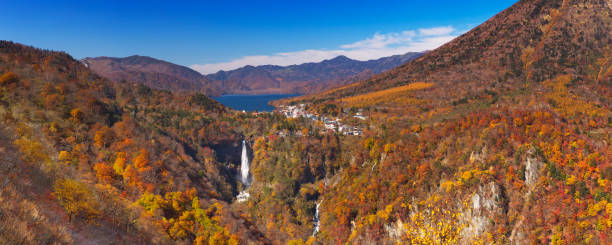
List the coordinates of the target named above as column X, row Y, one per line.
column 341, row 58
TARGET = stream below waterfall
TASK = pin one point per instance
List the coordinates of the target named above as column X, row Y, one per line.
column 317, row 221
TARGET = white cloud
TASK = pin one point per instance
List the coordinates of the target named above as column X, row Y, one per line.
column 437, row 31
column 382, row 40
column 377, row 46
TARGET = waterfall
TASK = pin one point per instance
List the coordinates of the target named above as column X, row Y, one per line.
column 244, row 174
column 244, row 166
column 317, row 221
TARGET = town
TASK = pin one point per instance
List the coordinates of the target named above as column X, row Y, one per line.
column 334, row 125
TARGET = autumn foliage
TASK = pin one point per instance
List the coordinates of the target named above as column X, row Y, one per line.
column 8, row 78
column 502, row 136
column 77, row 199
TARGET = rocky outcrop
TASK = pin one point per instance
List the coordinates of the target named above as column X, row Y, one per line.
column 396, row 230
column 486, row 203
column 533, row 171
column 532, row 168
column 478, row 156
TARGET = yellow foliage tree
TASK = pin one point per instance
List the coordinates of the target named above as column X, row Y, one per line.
column 432, row 226
column 185, row 217
column 77, row 199
column 65, row 157
column 32, row 150
column 119, row 165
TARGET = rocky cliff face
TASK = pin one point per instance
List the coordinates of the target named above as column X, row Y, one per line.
column 486, row 204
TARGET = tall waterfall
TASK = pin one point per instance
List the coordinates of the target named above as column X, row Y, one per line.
column 244, row 177
column 317, row 221
column 244, row 166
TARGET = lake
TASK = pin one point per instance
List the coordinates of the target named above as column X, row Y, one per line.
column 251, row 102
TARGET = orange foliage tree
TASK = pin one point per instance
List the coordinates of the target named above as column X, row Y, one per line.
column 104, row 172
column 8, row 78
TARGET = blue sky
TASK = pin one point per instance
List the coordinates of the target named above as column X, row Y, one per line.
column 213, row 35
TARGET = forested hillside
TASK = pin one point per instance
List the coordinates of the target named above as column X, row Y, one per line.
column 500, row 136
column 86, row 160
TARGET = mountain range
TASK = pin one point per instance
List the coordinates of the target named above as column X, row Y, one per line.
column 267, row 79
column 305, row 78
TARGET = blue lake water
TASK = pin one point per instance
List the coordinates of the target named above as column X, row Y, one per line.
column 251, row 102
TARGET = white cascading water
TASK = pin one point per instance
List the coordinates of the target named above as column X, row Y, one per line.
column 317, row 221
column 244, row 166
column 244, row 174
